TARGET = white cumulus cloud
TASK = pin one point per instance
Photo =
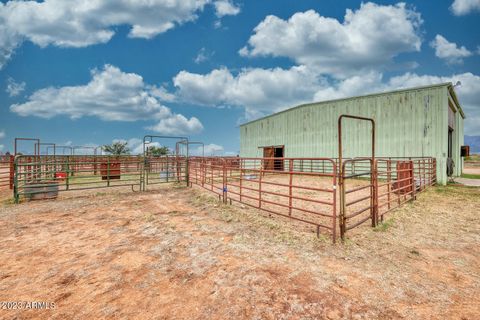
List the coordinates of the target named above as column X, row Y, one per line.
column 202, row 56
column 177, row 124
column 14, row 88
column 449, row 51
column 2, row 134
column 368, row 38
column 80, row 23
column 111, row 95
column 463, row 7
column 259, row 90
column 226, row 8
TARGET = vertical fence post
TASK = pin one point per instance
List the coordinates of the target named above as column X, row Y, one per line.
column 373, row 192
column 412, row 181
column 389, row 181
column 225, row 188
column 108, row 171
column 12, row 170
column 334, row 209
column 73, row 165
column 260, row 184
column 67, row 180
column 432, row 161
column 290, row 169
column 15, row 181
column 241, row 179
column 187, row 169
column 203, row 172
column 343, row 219
column 424, row 175
column 212, row 164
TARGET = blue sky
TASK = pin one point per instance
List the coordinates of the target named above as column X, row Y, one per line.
column 122, row 69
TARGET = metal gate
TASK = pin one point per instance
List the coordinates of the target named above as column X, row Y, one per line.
column 43, row 177
column 357, row 202
column 165, row 168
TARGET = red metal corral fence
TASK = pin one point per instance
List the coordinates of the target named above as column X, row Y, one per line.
column 288, row 187
column 398, row 180
column 314, row 191
column 6, row 171
column 43, row 177
column 305, row 189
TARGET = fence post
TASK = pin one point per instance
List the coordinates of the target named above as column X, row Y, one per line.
column 412, row 181
column 108, row 172
column 342, row 218
column 212, row 165
column 225, row 190
column 67, row 182
column 241, row 178
column 12, row 171
column 72, row 160
column 424, row 175
column 373, row 192
column 389, row 181
column 260, row 184
column 203, row 172
column 290, row 169
column 15, row 181
column 334, row 207
column 187, row 169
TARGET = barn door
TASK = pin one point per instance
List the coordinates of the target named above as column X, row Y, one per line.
column 268, row 152
column 278, row 163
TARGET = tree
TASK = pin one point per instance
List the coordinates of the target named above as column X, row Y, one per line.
column 158, row 151
column 117, row 148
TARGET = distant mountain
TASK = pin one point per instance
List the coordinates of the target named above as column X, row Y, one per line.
column 474, row 143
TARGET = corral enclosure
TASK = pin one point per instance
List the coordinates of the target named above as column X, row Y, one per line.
column 312, row 191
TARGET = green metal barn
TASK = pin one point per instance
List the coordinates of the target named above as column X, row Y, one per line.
column 417, row 122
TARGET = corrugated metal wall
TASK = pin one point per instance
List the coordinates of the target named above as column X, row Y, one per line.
column 408, row 123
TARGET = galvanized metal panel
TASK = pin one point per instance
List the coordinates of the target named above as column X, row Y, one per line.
column 408, row 123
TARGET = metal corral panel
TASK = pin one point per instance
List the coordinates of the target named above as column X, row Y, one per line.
column 409, row 123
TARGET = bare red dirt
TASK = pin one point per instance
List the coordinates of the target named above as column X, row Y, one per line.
column 176, row 253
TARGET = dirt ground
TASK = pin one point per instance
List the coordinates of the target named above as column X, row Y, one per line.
column 176, row 253
column 472, row 165
column 471, row 170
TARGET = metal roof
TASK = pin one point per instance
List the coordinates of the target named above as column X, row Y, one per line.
column 445, row 84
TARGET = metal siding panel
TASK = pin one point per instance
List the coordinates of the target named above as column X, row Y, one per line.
column 409, row 123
